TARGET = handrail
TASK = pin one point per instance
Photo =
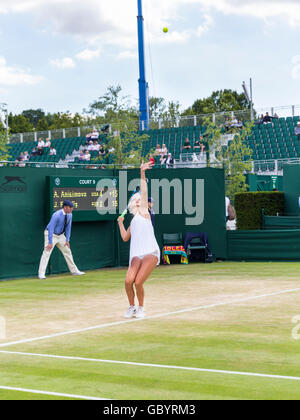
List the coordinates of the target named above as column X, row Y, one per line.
column 180, row 121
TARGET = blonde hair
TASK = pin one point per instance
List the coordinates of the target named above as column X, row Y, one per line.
column 132, row 202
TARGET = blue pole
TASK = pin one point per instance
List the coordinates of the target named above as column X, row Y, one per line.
column 143, row 85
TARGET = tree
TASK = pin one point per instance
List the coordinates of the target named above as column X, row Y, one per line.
column 168, row 113
column 4, row 155
column 61, row 120
column 157, row 108
column 219, row 101
column 173, row 113
column 19, row 124
column 34, row 116
column 42, row 125
column 125, row 139
column 111, row 104
column 236, row 157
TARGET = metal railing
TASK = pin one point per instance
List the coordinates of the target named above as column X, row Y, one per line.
column 270, row 167
column 51, row 134
column 100, row 166
column 182, row 121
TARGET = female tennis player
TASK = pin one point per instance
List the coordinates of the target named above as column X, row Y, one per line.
column 144, row 250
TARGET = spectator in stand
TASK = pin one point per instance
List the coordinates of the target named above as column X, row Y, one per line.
column 297, row 130
column 96, row 146
column 102, row 151
column 276, row 117
column 34, row 152
column 169, row 161
column 187, row 145
column 111, row 150
column 94, row 135
column 26, row 156
column 267, row 119
column 260, row 120
column 41, row 144
column 202, row 149
column 47, row 143
column 163, row 159
column 227, row 124
column 19, row 160
column 157, row 150
column 234, row 123
column 164, row 150
column 90, row 146
column 52, row 152
column 40, row 151
column 81, row 156
column 199, row 146
column 240, row 124
column 152, row 160
column 87, row 156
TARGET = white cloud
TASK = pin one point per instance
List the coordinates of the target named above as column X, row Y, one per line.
column 296, row 67
column 288, row 10
column 63, row 63
column 13, row 76
column 117, row 12
column 106, row 22
column 125, row 55
column 87, row 55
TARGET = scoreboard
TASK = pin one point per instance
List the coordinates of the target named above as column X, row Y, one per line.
column 94, row 198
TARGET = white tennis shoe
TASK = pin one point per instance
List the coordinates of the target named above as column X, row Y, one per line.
column 131, row 311
column 140, row 313
column 78, row 273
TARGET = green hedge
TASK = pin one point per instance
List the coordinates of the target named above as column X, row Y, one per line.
column 249, row 205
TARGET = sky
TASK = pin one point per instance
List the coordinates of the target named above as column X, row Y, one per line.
column 61, row 55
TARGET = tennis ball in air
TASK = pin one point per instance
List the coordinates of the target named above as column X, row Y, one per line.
column 165, row 30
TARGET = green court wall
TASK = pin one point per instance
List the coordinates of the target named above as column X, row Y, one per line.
column 264, row 182
column 23, row 218
column 264, row 245
column 291, row 184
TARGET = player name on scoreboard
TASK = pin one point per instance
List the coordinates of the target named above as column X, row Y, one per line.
column 94, row 198
column 86, row 199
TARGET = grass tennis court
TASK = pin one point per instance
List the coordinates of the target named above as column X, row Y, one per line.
column 221, row 320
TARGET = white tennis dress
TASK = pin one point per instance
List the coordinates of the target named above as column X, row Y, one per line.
column 143, row 241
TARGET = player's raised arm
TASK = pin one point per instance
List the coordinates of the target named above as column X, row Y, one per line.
column 144, row 187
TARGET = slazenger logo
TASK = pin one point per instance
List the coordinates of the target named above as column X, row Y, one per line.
column 13, row 184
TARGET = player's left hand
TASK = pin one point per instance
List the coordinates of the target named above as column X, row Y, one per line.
column 68, row 244
column 146, row 166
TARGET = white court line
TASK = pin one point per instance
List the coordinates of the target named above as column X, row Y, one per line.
column 53, row 394
column 112, row 324
column 117, row 362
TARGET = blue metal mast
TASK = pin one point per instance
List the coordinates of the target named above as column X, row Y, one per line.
column 143, row 85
